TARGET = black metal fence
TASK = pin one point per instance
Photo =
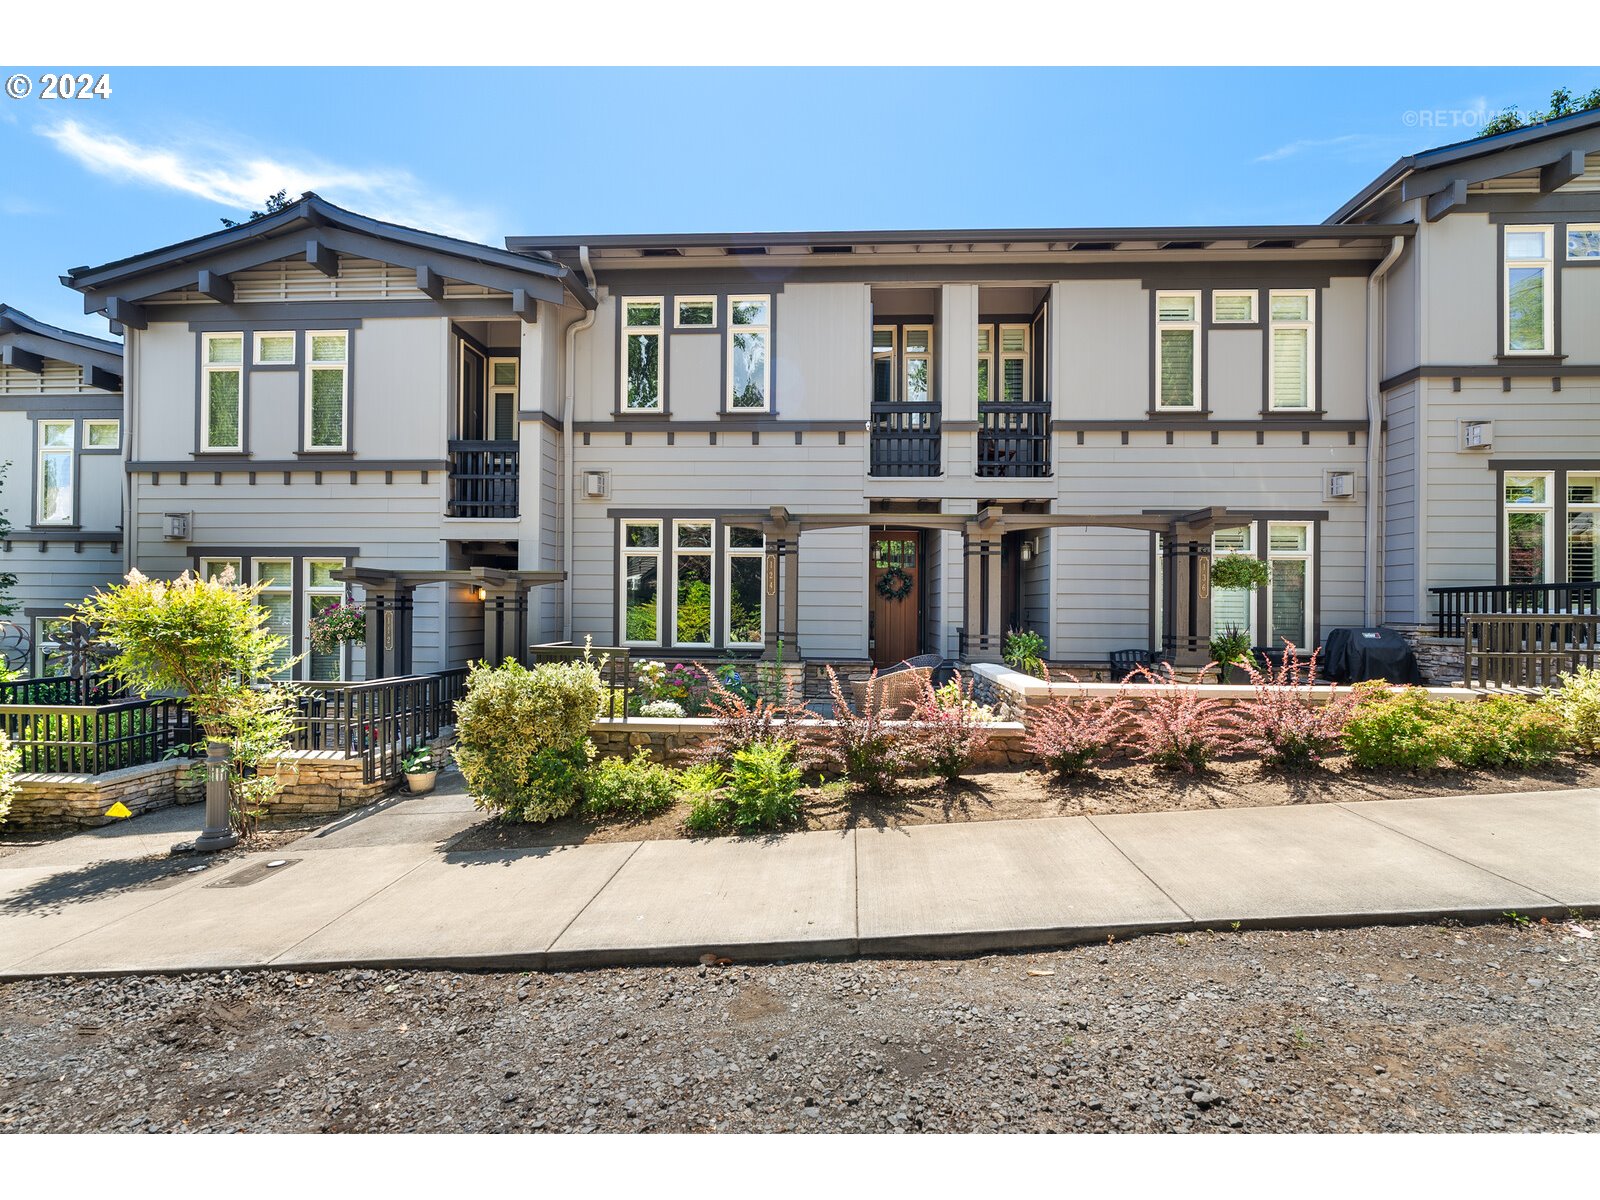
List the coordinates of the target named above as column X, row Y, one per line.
column 483, row 479
column 1456, row 604
column 91, row 739
column 379, row 721
column 60, row 689
column 615, row 664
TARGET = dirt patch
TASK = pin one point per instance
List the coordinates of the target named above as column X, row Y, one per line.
column 1023, row 794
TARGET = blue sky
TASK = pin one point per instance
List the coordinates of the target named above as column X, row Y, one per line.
column 489, row 152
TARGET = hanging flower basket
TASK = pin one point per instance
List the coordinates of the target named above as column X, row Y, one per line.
column 1238, row 572
column 894, row 584
column 337, row 624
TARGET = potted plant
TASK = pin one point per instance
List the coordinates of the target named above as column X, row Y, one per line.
column 1230, row 651
column 422, row 772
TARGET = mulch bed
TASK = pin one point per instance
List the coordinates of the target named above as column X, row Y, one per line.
column 1005, row 795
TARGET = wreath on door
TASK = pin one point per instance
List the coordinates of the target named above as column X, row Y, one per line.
column 894, row 584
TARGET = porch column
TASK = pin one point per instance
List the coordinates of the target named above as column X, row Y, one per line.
column 781, row 585
column 770, row 595
column 505, row 622
column 1187, row 599
column 983, row 612
column 388, row 607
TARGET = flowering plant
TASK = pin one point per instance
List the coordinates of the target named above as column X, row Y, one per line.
column 342, row 621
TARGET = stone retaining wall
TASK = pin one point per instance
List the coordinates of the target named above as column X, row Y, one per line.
column 1443, row 661
column 48, row 801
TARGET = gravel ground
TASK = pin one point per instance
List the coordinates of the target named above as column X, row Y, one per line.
column 1416, row 1028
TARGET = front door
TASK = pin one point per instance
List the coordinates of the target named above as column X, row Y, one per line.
column 895, row 583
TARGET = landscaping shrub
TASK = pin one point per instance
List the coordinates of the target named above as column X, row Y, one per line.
column 522, row 736
column 1176, row 729
column 702, row 786
column 1395, row 729
column 742, row 719
column 865, row 747
column 765, row 788
column 661, row 708
column 1024, row 651
column 951, row 728
column 1068, row 736
column 628, row 787
column 1285, row 724
column 10, row 764
column 1503, row 731
column 1577, row 701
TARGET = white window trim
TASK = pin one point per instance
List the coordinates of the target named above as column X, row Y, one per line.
column 1547, row 263
column 997, row 372
column 255, row 348
column 764, row 328
column 1575, row 506
column 709, row 553
column 493, row 391
column 286, row 589
column 68, row 452
column 1310, row 326
column 310, row 591
column 886, row 354
column 90, row 422
column 984, row 357
column 1548, row 508
column 1194, row 326
column 343, row 367
column 1255, row 302
column 238, row 568
column 677, row 311
column 1307, row 556
column 209, row 369
column 1251, row 550
column 627, row 552
column 660, row 332
column 1580, row 227
column 732, row 552
column 909, row 356
column 41, row 641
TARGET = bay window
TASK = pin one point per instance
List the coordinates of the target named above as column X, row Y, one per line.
column 57, row 461
column 1528, row 306
column 222, row 419
column 641, row 382
column 327, row 390
column 749, row 365
column 1292, row 316
column 1178, row 350
column 641, row 583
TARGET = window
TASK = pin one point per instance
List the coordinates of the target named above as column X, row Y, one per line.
column 1177, row 350
column 641, row 385
column 1233, row 608
column 218, row 568
column 985, row 361
column 1289, row 585
column 102, row 435
column 323, row 591
column 883, row 347
column 327, row 390
column 503, row 399
column 746, row 602
column 1233, row 308
column 696, row 312
column 276, row 577
column 1528, row 515
column 1013, row 364
column 641, row 583
column 274, row 349
column 52, row 639
column 1583, row 515
column 223, row 358
column 692, row 603
column 748, row 365
column 1583, row 243
column 1289, row 384
column 1528, row 309
column 57, row 459
column 918, row 364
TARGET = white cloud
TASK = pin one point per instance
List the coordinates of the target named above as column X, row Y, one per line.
column 221, row 170
column 1345, row 141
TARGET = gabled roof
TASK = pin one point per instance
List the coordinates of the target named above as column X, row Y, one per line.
column 313, row 229
column 1429, row 172
column 25, row 343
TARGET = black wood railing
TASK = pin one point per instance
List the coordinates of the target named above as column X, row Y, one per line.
column 905, row 440
column 91, row 739
column 379, row 721
column 1454, row 604
column 1510, row 650
column 483, row 479
column 1014, row 440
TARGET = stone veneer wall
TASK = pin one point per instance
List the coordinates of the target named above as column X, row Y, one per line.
column 1443, row 661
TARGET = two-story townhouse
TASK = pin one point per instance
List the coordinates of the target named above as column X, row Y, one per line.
column 61, row 448
column 1490, row 365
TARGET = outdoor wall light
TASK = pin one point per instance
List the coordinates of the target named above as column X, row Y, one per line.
column 483, row 593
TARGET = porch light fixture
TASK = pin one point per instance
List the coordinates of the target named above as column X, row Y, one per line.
column 482, row 593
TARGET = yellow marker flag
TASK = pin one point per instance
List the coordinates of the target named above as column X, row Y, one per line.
column 119, row 809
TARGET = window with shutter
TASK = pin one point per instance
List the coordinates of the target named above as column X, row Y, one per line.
column 1583, row 515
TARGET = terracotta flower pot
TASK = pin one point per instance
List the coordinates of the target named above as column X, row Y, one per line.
column 421, row 782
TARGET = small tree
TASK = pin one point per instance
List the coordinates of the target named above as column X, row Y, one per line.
column 1562, row 104
column 208, row 639
column 277, row 201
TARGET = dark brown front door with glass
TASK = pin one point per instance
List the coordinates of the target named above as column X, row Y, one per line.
column 895, row 593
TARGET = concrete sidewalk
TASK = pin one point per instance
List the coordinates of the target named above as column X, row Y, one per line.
column 383, row 887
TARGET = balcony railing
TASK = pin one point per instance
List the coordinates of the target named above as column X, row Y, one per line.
column 1014, row 440
column 1563, row 599
column 905, row 440
column 483, row 479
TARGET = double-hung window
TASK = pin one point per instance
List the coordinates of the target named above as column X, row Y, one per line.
column 1529, row 512
column 693, row 599
column 749, row 360
column 57, row 458
column 1290, row 383
column 1583, row 243
column 327, row 390
column 1529, row 308
column 641, row 583
column 1178, row 350
column 746, row 600
column 222, row 421
column 641, row 383
column 1583, row 518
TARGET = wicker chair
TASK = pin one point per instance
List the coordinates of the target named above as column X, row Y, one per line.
column 897, row 687
column 1124, row 663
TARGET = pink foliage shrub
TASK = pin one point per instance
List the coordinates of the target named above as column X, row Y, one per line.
column 866, row 747
column 1175, row 728
column 1069, row 736
column 1285, row 724
column 741, row 722
column 950, row 727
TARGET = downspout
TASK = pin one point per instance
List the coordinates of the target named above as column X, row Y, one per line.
column 568, row 454
column 130, row 433
column 1372, row 610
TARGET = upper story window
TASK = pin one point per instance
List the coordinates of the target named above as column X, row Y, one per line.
column 327, row 390
column 1526, row 287
column 102, row 434
column 57, row 443
column 274, row 349
column 221, row 426
column 1003, row 364
column 641, row 385
column 1290, row 383
column 918, row 367
column 1233, row 308
column 902, row 364
column 749, row 363
column 1178, row 349
column 696, row 312
column 1583, row 243
column 883, row 354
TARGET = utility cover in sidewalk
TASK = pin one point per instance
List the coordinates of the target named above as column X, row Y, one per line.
column 254, row 873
